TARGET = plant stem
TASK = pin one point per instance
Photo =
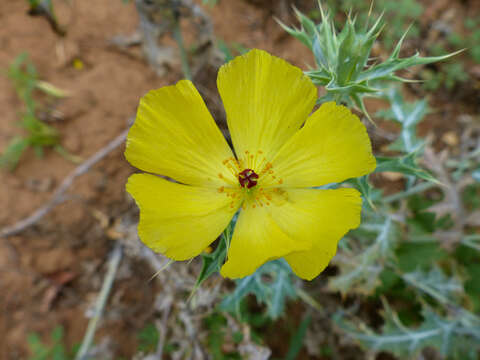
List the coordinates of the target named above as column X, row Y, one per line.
column 115, row 258
column 177, row 35
column 413, row 190
column 302, row 294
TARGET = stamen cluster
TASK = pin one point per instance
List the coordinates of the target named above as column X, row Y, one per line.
column 255, row 176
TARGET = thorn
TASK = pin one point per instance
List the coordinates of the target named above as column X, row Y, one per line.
column 169, row 262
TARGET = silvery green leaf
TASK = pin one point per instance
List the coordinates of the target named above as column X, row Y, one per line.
column 342, row 58
column 211, row 263
column 451, row 337
column 436, row 284
column 393, row 64
column 319, row 77
column 352, row 88
column 405, row 165
column 408, row 114
column 354, row 51
column 321, row 54
column 369, row 193
column 476, row 174
column 360, row 270
column 298, row 34
column 271, row 284
column 308, row 25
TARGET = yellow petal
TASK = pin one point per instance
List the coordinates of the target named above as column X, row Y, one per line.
column 266, row 100
column 332, row 146
column 259, row 237
column 177, row 220
column 175, row 135
column 333, row 214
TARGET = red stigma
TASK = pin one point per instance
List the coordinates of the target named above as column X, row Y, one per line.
column 247, row 178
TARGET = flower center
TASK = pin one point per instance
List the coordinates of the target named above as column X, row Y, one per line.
column 247, row 178
column 258, row 187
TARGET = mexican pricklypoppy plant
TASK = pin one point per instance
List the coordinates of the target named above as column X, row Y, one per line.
column 282, row 153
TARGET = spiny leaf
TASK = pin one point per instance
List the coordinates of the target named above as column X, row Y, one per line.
column 213, row 262
column 360, row 272
column 435, row 283
column 296, row 342
column 458, row 337
column 409, row 116
column 393, row 64
column 342, row 58
column 271, row 284
column 14, row 151
column 369, row 193
column 405, row 165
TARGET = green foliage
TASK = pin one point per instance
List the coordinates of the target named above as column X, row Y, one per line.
column 211, row 263
column 53, row 351
column 471, row 195
column 39, row 135
column 229, row 51
column 396, row 254
column 271, row 284
column 457, row 337
column 148, row 338
column 361, row 269
column 449, row 76
column 296, row 342
column 434, row 282
column 342, row 59
column 408, row 115
column 468, row 254
column 45, row 4
column 210, row 2
column 470, row 40
column 397, row 15
column 414, row 255
column 405, row 165
column 217, row 334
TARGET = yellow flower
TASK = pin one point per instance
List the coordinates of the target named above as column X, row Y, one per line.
column 281, row 154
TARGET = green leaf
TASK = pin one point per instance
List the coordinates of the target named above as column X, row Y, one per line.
column 227, row 53
column 476, row 174
column 414, row 255
column 39, row 351
column 148, row 338
column 369, row 193
column 296, row 342
column 445, row 289
column 457, row 337
column 217, row 331
column 405, row 165
column 56, row 351
column 360, row 269
column 342, row 58
column 211, row 263
column 14, row 151
column 472, row 285
column 271, row 284
column 393, row 64
column 409, row 116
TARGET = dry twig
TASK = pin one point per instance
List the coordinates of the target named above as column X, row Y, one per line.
column 113, row 264
column 58, row 197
